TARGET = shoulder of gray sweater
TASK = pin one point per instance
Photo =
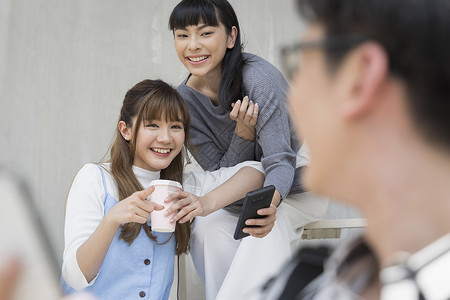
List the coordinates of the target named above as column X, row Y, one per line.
column 263, row 78
column 257, row 69
column 264, row 84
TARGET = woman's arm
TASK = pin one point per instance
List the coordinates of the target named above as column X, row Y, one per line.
column 245, row 180
column 220, row 139
column 87, row 233
column 84, row 212
column 92, row 252
column 214, row 190
column 206, row 192
column 210, row 156
column 276, row 136
column 279, row 159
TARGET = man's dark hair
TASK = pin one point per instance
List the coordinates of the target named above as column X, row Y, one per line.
column 416, row 37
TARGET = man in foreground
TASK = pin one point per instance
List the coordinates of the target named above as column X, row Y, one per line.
column 372, row 101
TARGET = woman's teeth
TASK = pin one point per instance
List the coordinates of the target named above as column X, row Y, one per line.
column 159, row 150
column 197, row 58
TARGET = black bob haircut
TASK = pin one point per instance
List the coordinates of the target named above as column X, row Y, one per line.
column 212, row 13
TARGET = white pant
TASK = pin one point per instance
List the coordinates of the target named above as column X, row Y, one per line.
column 233, row 269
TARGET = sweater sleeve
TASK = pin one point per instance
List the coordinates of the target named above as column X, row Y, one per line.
column 211, row 157
column 84, row 212
column 266, row 86
column 279, row 159
column 213, row 142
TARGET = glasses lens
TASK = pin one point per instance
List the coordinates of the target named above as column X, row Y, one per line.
column 291, row 60
column 291, row 56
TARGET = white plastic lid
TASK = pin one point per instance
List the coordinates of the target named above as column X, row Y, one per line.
column 166, row 182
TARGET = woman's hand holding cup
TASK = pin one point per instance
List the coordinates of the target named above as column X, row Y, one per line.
column 187, row 206
column 162, row 220
column 134, row 208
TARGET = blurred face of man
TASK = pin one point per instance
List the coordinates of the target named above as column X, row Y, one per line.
column 313, row 104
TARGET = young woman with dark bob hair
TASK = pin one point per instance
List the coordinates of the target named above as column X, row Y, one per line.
column 237, row 105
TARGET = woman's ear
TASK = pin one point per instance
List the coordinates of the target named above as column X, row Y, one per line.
column 124, row 130
column 232, row 37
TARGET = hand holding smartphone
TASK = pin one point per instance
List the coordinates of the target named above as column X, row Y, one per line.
column 253, row 201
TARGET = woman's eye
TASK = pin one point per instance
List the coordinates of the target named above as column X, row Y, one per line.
column 151, row 125
column 181, row 35
column 206, row 33
column 177, row 127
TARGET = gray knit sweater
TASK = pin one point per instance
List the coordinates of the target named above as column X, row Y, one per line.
column 214, row 144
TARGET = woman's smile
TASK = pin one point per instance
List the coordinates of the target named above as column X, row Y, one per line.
column 161, row 151
column 197, row 59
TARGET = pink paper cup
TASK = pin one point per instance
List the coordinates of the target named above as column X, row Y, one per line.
column 163, row 188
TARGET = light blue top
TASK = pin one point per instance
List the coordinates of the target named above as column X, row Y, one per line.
column 143, row 270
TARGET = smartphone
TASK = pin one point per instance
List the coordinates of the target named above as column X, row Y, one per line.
column 253, row 201
column 24, row 237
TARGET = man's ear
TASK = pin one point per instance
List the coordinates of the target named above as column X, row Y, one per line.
column 124, row 130
column 369, row 70
column 232, row 37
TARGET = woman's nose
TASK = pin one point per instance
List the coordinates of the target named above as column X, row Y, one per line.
column 193, row 43
column 164, row 136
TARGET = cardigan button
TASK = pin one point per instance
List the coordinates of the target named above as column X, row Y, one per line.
column 147, row 262
column 142, row 294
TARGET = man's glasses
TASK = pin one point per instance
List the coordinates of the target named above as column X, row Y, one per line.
column 291, row 57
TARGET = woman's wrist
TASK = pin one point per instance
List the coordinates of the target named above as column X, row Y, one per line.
column 245, row 133
column 109, row 222
column 276, row 199
column 207, row 204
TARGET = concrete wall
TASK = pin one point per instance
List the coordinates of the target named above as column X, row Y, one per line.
column 64, row 69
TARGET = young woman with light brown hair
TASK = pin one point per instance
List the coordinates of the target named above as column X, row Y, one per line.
column 110, row 249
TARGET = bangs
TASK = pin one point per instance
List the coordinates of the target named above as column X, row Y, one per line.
column 193, row 12
column 163, row 106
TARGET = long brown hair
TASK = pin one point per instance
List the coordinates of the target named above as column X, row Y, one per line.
column 148, row 100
